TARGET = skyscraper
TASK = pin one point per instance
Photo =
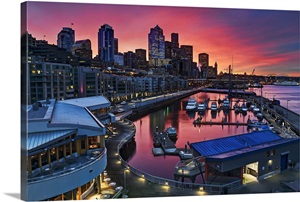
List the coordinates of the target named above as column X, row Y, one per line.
column 174, row 40
column 141, row 57
column 116, row 46
column 66, row 38
column 106, row 44
column 187, row 52
column 203, row 59
column 82, row 50
column 156, row 43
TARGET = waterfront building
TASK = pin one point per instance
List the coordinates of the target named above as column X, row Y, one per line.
column 156, row 46
column 106, row 45
column 65, row 148
column 66, row 38
column 82, row 50
column 141, row 58
column 259, row 153
column 49, row 80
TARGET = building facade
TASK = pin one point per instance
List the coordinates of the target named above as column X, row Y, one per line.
column 49, row 80
column 66, row 38
column 83, row 51
column 106, row 44
column 66, row 152
column 156, row 45
column 141, row 58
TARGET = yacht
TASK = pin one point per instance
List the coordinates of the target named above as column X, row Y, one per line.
column 201, row 106
column 213, row 106
column 191, row 105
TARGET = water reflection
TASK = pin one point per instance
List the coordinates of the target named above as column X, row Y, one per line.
column 176, row 116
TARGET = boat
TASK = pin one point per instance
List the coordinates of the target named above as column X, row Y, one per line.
column 191, row 105
column 226, row 103
column 213, row 106
column 256, row 123
column 185, row 155
column 201, row 106
column 256, row 110
column 286, row 83
column 171, row 131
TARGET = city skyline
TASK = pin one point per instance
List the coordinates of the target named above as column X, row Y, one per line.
column 264, row 40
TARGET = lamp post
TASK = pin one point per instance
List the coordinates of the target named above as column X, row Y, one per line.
column 287, row 106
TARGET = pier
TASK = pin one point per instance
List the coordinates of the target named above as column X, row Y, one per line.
column 221, row 123
column 161, row 139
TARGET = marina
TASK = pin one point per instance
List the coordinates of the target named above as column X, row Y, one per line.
column 212, row 126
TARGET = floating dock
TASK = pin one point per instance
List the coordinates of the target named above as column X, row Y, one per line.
column 221, row 123
column 162, row 139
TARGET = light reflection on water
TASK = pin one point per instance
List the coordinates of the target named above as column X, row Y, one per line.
column 176, row 116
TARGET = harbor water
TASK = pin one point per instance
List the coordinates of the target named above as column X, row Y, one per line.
column 139, row 153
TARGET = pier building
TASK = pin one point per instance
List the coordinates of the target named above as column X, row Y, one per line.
column 260, row 153
column 65, row 152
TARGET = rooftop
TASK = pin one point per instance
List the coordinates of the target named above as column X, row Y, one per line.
column 237, row 142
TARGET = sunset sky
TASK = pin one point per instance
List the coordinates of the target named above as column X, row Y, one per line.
column 264, row 40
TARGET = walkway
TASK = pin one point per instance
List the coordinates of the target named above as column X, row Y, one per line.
column 140, row 188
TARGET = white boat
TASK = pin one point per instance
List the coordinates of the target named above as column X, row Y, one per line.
column 213, row 106
column 201, row 106
column 286, row 83
column 191, row 105
column 256, row 110
column 244, row 108
column 185, row 155
column 171, row 131
column 226, row 103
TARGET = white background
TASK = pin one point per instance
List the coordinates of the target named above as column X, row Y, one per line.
column 10, row 90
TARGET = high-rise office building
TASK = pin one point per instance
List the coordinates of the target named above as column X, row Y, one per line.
column 156, row 43
column 66, row 38
column 116, row 46
column 106, row 44
column 168, row 49
column 82, row 50
column 174, row 40
column 187, row 52
column 203, row 59
column 141, row 57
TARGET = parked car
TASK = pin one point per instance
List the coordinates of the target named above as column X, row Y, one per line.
column 133, row 106
column 123, row 103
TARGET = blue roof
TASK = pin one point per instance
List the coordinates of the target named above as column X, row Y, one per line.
column 232, row 143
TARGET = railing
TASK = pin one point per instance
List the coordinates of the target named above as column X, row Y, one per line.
column 65, row 171
column 212, row 188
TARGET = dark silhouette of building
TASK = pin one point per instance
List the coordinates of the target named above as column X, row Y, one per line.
column 141, row 58
column 106, row 45
column 82, row 50
column 116, row 46
column 130, row 59
column 66, row 38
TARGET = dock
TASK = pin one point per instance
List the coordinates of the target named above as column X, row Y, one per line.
column 165, row 142
column 221, row 123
